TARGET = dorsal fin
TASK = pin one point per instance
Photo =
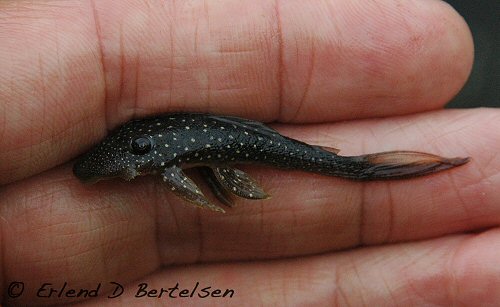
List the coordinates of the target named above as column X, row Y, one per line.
column 241, row 122
column 330, row 149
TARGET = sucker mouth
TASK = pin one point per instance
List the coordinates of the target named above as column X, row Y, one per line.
column 128, row 173
column 86, row 176
column 94, row 179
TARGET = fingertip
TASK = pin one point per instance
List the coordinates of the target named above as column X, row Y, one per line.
column 457, row 47
column 364, row 59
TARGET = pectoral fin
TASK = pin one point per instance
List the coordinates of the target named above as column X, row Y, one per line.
column 184, row 187
column 239, row 183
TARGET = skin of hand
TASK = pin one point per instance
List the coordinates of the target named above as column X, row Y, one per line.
column 362, row 76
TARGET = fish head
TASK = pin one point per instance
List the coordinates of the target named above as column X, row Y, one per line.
column 127, row 152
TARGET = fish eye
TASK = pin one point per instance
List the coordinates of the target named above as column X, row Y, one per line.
column 141, row 145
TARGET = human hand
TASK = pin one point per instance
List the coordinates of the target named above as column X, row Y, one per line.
column 327, row 71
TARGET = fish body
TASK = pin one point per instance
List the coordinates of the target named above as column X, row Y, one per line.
column 169, row 143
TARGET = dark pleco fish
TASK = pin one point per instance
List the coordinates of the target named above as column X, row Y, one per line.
column 169, row 143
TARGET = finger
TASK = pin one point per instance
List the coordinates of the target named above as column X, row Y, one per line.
column 444, row 272
column 307, row 213
column 60, row 235
column 71, row 70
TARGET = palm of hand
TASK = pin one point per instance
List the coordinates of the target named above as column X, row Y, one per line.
column 77, row 77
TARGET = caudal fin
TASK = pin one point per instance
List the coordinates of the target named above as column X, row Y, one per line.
column 401, row 164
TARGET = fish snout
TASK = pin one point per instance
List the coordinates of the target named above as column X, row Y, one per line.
column 85, row 173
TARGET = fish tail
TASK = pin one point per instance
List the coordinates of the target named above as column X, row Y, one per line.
column 393, row 165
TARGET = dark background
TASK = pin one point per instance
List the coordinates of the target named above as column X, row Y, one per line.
column 483, row 86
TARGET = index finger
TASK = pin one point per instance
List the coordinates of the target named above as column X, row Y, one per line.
column 73, row 70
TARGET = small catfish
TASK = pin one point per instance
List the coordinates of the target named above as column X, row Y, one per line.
column 169, row 143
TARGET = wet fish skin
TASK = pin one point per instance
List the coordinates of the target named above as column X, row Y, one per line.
column 169, row 143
